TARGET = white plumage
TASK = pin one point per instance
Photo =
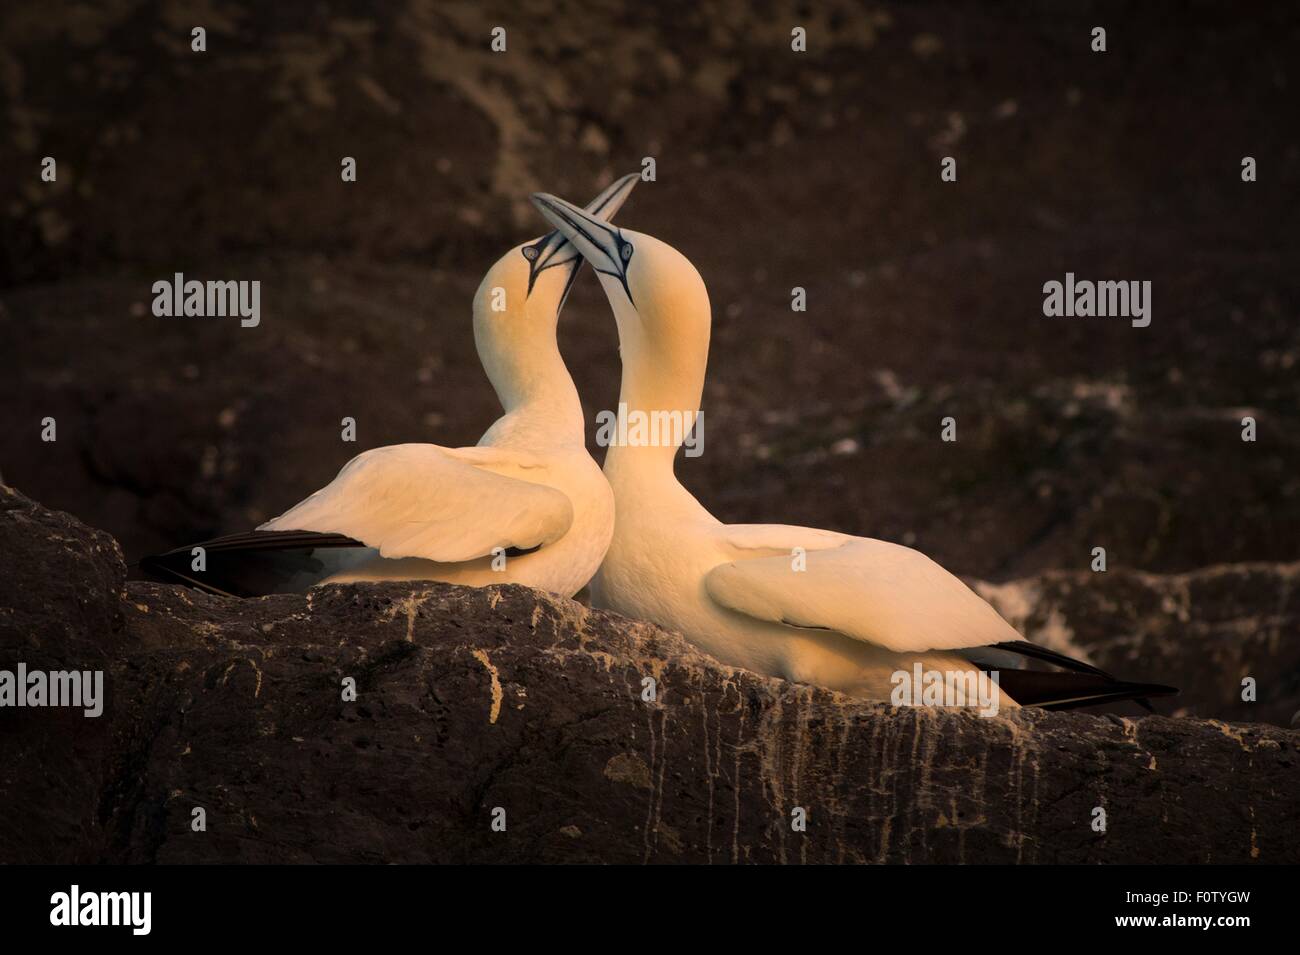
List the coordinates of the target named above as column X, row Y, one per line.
column 431, row 512
column 527, row 505
column 801, row 603
column 871, row 590
column 439, row 504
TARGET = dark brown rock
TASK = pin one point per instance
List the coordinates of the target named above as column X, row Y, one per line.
column 472, row 699
column 60, row 609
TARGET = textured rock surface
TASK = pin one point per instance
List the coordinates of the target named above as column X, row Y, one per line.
column 60, row 608
column 504, row 697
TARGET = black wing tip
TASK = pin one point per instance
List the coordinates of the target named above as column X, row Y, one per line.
column 1139, row 693
column 1038, row 652
column 268, row 540
column 157, row 567
column 1111, row 690
column 1065, row 690
column 248, row 564
column 1156, row 690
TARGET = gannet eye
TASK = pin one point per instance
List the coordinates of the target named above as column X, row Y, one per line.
column 626, row 251
column 530, row 252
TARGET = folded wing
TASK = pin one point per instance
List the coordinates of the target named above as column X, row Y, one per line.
column 781, row 537
column 871, row 590
column 441, row 504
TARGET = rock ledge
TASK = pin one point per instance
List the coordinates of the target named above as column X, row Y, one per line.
column 474, row 699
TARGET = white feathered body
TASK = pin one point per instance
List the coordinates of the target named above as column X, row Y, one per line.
column 433, row 513
column 851, row 614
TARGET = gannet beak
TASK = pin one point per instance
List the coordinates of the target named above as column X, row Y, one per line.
column 555, row 249
column 600, row 243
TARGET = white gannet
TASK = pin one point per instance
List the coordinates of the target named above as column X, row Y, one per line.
column 526, row 505
column 808, row 605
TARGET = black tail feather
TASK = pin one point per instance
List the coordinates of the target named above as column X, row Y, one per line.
column 1034, row 651
column 252, row 564
column 1068, row 690
column 1054, row 681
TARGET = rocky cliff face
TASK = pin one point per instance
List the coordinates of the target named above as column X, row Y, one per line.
column 505, row 704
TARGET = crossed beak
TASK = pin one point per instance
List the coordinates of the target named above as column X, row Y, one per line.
column 556, row 249
column 600, row 243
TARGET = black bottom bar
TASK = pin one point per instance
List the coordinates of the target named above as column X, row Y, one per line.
column 336, row 905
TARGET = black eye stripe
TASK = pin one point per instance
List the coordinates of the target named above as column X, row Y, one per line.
column 618, row 259
column 557, row 249
column 546, row 254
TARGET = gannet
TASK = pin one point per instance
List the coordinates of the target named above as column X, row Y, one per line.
column 526, row 505
column 808, row 605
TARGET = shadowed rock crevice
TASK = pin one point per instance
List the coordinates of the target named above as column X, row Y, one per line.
column 473, row 699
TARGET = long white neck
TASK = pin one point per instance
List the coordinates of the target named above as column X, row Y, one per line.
column 664, row 363
column 536, row 391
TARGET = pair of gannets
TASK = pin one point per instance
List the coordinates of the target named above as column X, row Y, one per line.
column 813, row 606
column 526, row 505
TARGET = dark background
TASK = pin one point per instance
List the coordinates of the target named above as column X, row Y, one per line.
column 775, row 169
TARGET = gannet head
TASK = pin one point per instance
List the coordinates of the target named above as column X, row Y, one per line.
column 518, row 303
column 658, row 299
